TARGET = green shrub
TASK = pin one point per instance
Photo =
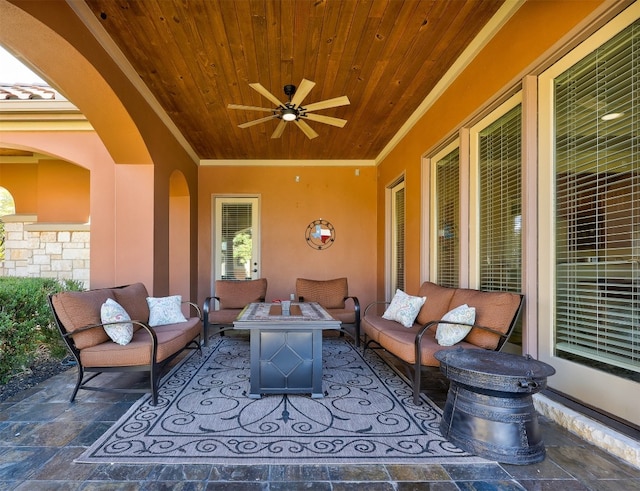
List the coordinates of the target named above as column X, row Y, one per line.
column 26, row 322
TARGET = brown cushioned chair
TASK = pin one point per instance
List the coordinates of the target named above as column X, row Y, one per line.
column 333, row 296
column 228, row 300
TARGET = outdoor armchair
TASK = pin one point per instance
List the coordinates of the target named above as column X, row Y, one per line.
column 333, row 296
column 228, row 300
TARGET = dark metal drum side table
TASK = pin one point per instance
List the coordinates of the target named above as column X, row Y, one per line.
column 489, row 410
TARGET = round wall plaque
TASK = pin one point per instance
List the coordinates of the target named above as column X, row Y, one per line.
column 320, row 234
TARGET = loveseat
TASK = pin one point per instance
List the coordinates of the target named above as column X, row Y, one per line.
column 496, row 314
column 144, row 333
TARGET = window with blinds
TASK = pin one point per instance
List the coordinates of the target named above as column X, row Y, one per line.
column 397, row 243
column 448, row 219
column 597, row 188
column 236, row 243
column 500, row 203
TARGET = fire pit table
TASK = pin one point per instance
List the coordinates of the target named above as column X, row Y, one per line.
column 489, row 410
column 286, row 348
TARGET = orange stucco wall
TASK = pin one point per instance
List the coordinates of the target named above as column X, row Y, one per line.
column 532, row 31
column 53, row 190
column 20, row 180
column 335, row 194
column 63, row 192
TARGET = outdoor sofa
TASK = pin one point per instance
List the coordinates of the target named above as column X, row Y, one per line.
column 145, row 333
column 415, row 344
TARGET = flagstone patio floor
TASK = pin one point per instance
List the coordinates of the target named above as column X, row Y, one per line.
column 41, row 433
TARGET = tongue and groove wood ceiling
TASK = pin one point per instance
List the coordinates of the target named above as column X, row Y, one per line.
column 198, row 56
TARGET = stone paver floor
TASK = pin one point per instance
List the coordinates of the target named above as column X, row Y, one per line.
column 41, row 433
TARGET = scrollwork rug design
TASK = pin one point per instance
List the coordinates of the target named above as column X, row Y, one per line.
column 204, row 416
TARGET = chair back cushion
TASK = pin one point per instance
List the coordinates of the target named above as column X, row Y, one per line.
column 133, row 299
column 493, row 309
column 437, row 303
column 238, row 294
column 330, row 294
column 80, row 309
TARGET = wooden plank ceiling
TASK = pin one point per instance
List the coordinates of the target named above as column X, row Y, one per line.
column 198, row 56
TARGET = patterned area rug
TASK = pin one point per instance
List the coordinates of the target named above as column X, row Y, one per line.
column 204, row 416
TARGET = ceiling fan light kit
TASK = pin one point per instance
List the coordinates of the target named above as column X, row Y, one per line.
column 289, row 114
column 293, row 111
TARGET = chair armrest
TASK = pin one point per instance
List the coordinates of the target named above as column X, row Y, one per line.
column 206, row 307
column 356, row 305
column 195, row 306
column 146, row 327
column 374, row 304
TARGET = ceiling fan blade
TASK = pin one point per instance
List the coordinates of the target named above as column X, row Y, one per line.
column 335, row 102
column 302, row 91
column 266, row 94
column 306, row 129
column 249, row 108
column 256, row 121
column 279, row 129
column 326, row 120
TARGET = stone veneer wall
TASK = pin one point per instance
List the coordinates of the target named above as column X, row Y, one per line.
column 45, row 250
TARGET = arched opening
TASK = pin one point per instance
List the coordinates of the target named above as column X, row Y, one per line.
column 179, row 233
column 7, row 203
column 7, row 207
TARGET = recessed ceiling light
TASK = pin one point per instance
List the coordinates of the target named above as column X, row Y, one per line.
column 611, row 116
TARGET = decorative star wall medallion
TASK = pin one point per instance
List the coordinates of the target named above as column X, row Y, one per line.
column 320, row 234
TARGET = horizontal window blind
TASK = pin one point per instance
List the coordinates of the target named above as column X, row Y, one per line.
column 598, row 208
column 448, row 218
column 500, row 187
column 399, row 234
column 236, row 235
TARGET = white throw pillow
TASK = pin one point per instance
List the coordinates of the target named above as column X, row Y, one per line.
column 112, row 311
column 165, row 310
column 450, row 334
column 404, row 308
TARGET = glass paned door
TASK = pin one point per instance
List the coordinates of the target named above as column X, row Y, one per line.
column 589, row 264
column 598, row 208
column 236, row 238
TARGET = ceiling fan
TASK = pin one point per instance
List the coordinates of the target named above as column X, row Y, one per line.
column 293, row 110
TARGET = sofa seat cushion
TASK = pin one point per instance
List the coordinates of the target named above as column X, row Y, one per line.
column 226, row 316
column 493, row 309
column 80, row 309
column 402, row 344
column 137, row 352
column 373, row 326
column 190, row 329
column 345, row 316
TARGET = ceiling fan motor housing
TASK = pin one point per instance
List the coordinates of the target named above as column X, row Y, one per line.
column 289, row 90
